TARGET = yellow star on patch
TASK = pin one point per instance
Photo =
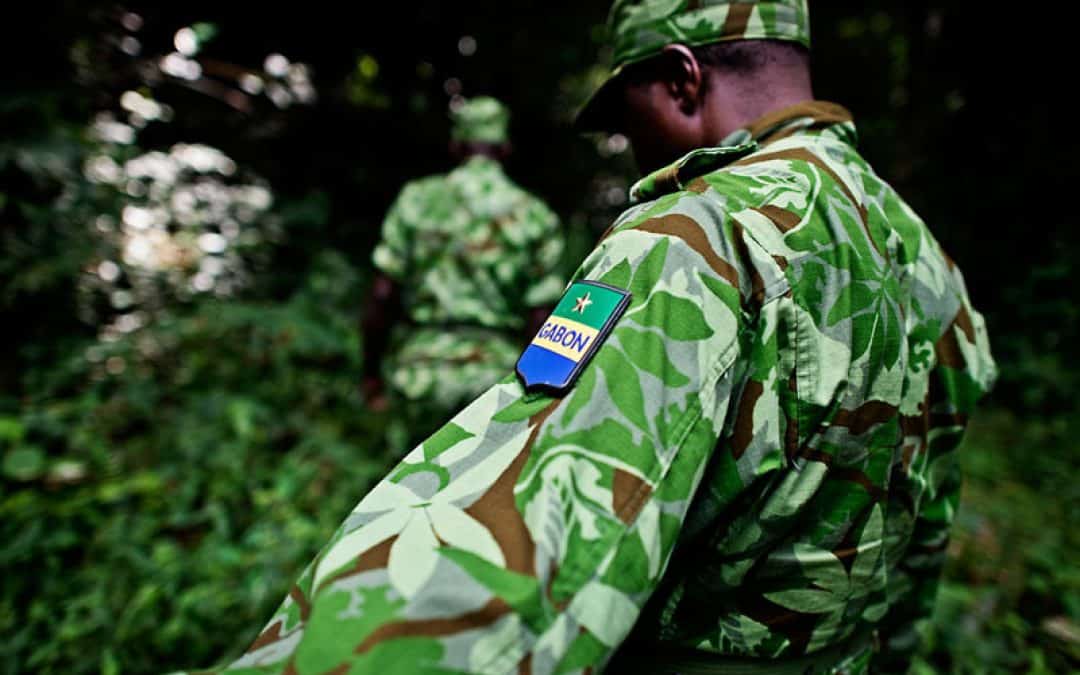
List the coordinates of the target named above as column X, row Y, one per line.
column 582, row 303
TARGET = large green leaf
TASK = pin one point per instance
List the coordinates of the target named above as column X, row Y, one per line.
column 648, row 352
column 623, row 385
column 679, row 318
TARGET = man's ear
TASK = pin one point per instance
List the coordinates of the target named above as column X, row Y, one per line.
column 685, row 79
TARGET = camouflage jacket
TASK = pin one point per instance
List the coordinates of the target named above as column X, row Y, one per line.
column 471, row 248
column 760, row 460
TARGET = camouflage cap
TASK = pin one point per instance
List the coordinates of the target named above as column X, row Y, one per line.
column 480, row 120
column 639, row 29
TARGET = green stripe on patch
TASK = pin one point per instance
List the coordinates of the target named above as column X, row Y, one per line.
column 588, row 304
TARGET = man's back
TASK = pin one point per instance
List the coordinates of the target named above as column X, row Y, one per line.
column 827, row 506
column 474, row 248
column 757, row 463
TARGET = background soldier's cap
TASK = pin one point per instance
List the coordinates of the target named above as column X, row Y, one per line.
column 480, row 120
column 640, row 29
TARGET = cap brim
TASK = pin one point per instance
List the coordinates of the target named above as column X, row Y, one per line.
column 600, row 112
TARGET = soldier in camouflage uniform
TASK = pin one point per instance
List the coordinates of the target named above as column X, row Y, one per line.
column 467, row 267
column 735, row 436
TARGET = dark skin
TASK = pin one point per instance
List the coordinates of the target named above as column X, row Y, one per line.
column 684, row 105
column 384, row 307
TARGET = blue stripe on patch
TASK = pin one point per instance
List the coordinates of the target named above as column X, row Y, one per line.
column 545, row 368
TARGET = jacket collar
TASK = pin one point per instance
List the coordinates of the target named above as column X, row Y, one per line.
column 802, row 118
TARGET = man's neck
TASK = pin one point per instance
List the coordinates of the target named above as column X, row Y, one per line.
column 736, row 105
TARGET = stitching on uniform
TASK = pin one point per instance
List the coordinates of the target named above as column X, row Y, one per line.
column 773, row 292
column 781, row 285
column 719, row 366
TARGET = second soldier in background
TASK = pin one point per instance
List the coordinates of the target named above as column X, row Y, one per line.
column 467, row 270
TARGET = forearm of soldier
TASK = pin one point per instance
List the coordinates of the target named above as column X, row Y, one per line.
column 382, row 310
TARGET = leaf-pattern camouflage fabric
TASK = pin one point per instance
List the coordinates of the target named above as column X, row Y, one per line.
column 472, row 252
column 760, row 461
column 639, row 29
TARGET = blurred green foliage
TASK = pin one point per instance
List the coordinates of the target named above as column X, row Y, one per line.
column 162, row 483
column 1012, row 596
column 154, row 516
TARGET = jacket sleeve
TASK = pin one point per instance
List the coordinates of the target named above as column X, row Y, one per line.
column 529, row 531
column 963, row 373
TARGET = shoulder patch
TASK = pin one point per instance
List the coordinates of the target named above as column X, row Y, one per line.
column 570, row 337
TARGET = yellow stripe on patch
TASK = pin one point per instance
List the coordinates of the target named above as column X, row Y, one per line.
column 566, row 338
